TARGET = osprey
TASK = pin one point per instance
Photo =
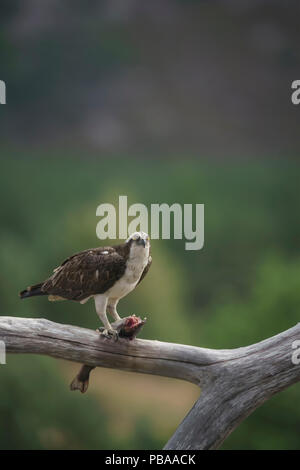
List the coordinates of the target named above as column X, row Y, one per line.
column 106, row 273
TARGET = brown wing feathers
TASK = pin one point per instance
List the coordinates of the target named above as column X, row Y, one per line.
column 83, row 274
column 86, row 273
column 146, row 269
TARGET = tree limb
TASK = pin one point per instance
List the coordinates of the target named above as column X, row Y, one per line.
column 233, row 382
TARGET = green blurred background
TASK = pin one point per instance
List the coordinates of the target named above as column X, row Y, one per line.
column 164, row 101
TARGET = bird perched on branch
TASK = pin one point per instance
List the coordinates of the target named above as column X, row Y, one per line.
column 106, row 273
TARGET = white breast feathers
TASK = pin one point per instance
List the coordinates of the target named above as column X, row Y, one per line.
column 136, row 263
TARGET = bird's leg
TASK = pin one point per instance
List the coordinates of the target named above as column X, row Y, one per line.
column 101, row 304
column 112, row 309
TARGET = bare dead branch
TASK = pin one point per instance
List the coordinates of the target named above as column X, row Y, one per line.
column 127, row 327
column 233, row 382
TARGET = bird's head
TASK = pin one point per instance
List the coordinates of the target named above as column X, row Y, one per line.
column 139, row 239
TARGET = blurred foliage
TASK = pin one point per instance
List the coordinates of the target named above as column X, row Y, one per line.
column 39, row 412
column 154, row 78
column 241, row 288
column 161, row 79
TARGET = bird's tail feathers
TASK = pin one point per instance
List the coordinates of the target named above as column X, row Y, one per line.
column 31, row 291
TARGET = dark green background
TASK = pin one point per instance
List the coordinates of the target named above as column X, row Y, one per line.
column 184, row 102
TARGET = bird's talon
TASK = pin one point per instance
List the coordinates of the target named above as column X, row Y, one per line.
column 109, row 333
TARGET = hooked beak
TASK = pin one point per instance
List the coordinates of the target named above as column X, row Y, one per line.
column 141, row 241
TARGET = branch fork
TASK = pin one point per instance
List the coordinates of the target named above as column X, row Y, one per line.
column 234, row 382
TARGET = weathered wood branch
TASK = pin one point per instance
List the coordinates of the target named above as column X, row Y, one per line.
column 233, row 382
